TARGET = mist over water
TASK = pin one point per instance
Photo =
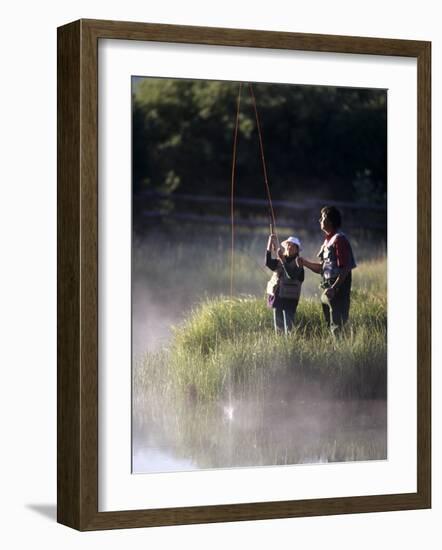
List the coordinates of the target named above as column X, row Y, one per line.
column 152, row 322
column 289, row 424
column 167, row 281
column 280, row 430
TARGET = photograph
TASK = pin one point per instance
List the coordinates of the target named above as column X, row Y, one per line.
column 258, row 274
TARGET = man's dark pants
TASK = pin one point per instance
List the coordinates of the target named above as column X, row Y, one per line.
column 337, row 309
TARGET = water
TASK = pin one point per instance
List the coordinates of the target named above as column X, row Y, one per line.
column 155, row 459
column 260, row 433
column 284, row 426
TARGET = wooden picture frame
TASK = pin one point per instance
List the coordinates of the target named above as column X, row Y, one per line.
column 77, row 462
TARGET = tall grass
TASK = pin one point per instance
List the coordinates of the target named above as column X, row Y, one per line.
column 229, row 345
column 215, row 320
column 219, row 341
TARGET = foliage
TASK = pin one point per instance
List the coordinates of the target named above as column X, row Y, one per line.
column 333, row 137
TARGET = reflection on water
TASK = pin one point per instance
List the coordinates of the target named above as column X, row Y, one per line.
column 186, row 436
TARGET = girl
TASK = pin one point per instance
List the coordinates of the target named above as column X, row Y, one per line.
column 284, row 287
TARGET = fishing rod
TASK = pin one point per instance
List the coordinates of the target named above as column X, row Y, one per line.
column 272, row 220
column 264, row 169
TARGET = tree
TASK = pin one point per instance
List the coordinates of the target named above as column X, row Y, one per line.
column 315, row 137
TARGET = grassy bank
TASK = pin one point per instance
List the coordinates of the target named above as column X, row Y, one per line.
column 215, row 321
column 224, row 390
column 229, row 345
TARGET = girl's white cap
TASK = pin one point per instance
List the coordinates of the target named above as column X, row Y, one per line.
column 293, row 240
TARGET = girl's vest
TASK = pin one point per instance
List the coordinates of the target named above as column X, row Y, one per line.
column 286, row 287
column 327, row 255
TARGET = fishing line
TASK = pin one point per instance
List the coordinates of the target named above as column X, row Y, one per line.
column 232, row 186
column 232, row 191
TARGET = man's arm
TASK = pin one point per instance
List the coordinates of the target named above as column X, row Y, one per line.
column 316, row 267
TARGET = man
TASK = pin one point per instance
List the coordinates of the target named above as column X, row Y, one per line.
column 335, row 266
